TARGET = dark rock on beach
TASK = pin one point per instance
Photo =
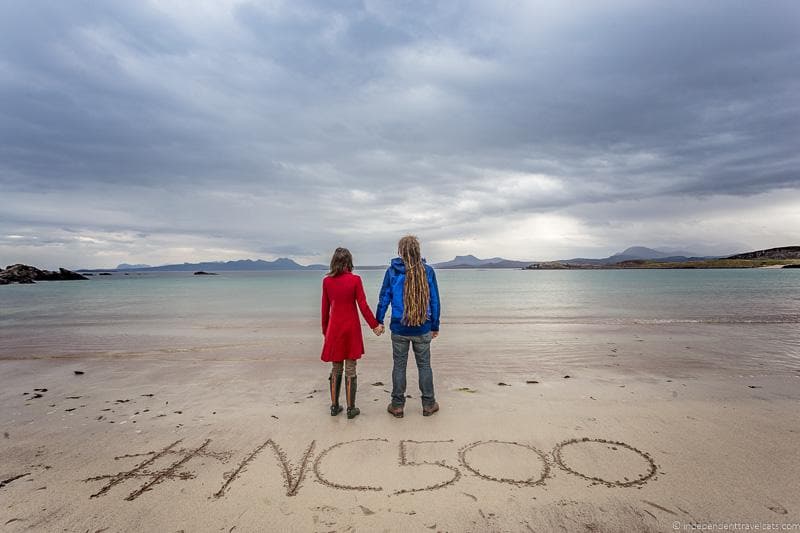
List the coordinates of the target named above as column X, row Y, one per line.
column 202, row 273
column 28, row 274
column 791, row 266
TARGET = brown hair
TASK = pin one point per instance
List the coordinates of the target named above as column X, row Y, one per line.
column 416, row 293
column 342, row 261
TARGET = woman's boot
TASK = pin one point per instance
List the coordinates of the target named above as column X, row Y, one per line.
column 351, row 386
column 336, row 386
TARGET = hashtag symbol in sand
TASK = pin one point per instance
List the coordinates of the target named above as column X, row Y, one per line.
column 174, row 470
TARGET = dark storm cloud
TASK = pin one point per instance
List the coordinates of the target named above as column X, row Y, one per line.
column 282, row 127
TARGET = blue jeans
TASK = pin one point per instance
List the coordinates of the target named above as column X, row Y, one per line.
column 422, row 353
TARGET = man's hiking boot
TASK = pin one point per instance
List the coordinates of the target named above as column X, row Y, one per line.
column 395, row 410
column 430, row 409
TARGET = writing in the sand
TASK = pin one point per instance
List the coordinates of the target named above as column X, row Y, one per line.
column 293, row 475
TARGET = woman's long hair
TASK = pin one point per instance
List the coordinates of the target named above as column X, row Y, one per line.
column 416, row 293
column 342, row 261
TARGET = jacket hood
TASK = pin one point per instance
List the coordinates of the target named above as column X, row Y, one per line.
column 400, row 267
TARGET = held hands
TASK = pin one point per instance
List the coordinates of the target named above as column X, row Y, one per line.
column 380, row 329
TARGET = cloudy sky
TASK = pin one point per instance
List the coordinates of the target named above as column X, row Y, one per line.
column 168, row 131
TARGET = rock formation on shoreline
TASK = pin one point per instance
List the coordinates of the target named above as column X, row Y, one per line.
column 27, row 274
column 784, row 252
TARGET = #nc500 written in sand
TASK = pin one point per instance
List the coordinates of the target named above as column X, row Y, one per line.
column 175, row 461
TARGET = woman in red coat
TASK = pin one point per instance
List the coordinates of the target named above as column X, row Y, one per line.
column 341, row 327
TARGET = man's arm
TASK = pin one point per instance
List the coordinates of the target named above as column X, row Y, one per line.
column 384, row 298
column 436, row 305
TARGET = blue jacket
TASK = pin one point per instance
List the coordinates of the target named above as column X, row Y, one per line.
column 392, row 293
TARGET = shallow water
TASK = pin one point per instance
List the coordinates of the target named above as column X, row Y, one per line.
column 553, row 314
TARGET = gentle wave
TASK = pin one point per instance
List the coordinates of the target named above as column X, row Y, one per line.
column 721, row 320
column 615, row 321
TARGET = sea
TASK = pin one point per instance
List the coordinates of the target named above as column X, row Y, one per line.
column 752, row 313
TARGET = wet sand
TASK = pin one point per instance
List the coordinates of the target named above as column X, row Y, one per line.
column 653, row 427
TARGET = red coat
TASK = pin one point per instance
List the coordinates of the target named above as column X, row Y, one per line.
column 340, row 323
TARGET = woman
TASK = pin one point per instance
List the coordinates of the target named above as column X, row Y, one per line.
column 409, row 286
column 341, row 292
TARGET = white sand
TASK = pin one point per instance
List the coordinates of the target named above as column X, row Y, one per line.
column 723, row 451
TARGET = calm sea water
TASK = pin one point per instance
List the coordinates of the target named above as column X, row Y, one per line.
column 175, row 312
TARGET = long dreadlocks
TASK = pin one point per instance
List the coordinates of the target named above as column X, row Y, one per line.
column 416, row 293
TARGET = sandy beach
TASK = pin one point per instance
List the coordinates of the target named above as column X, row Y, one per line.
column 193, row 442
column 591, row 209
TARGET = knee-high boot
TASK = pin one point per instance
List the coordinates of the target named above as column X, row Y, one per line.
column 336, row 386
column 351, row 386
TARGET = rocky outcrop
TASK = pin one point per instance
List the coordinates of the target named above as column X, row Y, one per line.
column 204, row 273
column 785, row 252
column 28, row 274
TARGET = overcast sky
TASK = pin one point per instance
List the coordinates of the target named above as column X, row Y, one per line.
column 169, row 131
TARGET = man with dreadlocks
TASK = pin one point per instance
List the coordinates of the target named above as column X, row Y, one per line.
column 410, row 287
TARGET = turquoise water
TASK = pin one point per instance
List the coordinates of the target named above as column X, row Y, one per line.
column 166, row 311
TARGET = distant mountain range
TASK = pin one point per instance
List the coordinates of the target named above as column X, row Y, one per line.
column 629, row 254
column 282, row 263
column 634, row 253
column 470, row 261
column 641, row 253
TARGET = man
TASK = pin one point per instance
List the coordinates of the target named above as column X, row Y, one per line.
column 409, row 286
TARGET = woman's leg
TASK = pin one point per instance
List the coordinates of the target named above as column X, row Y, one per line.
column 335, row 380
column 351, row 386
column 350, row 368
